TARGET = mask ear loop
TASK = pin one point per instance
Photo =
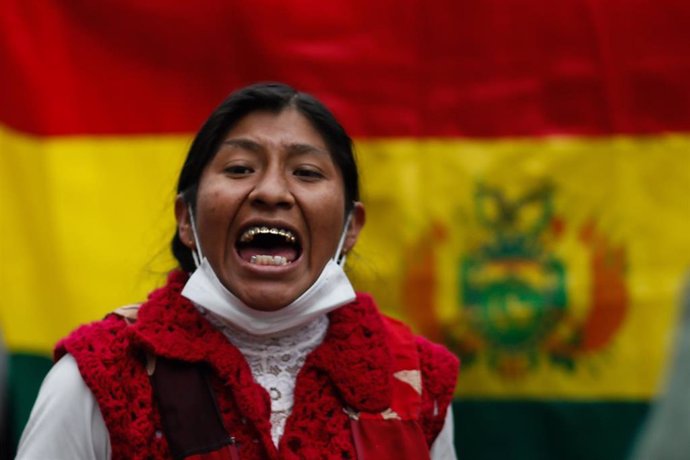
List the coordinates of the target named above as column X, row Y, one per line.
column 340, row 257
column 196, row 254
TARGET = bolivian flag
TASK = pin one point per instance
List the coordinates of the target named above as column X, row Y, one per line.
column 526, row 172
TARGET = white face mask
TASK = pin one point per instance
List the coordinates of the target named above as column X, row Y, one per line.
column 332, row 289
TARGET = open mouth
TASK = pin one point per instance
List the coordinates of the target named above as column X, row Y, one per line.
column 262, row 245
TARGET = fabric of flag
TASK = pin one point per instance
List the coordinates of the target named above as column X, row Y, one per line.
column 525, row 169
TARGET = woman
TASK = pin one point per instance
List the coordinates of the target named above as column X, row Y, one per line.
column 265, row 351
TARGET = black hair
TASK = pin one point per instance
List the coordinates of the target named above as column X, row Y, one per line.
column 271, row 97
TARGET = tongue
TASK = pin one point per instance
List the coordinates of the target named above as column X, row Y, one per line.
column 289, row 253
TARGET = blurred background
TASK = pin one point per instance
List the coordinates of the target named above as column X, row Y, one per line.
column 525, row 167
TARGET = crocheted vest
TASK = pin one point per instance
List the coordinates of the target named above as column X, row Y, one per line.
column 351, row 369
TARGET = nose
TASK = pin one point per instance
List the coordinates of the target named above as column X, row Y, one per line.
column 272, row 190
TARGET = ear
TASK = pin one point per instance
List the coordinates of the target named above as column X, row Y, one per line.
column 356, row 224
column 184, row 223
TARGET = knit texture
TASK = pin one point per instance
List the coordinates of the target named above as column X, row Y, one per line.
column 351, row 368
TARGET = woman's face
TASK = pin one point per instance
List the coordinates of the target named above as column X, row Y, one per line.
column 270, row 209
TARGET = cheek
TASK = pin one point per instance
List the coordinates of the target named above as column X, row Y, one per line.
column 327, row 221
column 213, row 208
column 215, row 198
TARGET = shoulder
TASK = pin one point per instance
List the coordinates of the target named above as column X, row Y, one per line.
column 439, row 372
column 98, row 337
column 435, row 360
column 104, row 356
column 112, row 366
column 438, row 364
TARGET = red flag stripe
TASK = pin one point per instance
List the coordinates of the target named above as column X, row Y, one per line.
column 387, row 68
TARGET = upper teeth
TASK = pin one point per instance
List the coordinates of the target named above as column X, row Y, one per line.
column 250, row 233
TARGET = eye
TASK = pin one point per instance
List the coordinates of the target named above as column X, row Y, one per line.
column 308, row 173
column 238, row 170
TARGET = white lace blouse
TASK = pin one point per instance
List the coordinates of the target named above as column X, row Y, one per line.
column 275, row 361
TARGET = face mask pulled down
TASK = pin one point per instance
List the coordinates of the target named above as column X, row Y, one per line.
column 332, row 289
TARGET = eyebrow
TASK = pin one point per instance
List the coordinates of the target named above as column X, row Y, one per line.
column 242, row 143
column 292, row 149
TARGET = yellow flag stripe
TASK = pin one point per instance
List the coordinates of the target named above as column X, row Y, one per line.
column 84, row 219
column 87, row 220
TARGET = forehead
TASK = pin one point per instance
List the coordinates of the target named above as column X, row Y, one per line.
column 277, row 130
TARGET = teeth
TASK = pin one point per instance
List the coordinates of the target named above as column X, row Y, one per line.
column 269, row 260
column 249, row 235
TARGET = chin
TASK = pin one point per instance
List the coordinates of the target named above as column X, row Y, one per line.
column 268, row 307
column 268, row 302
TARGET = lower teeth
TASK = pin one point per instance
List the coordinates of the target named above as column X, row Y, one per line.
column 269, row 260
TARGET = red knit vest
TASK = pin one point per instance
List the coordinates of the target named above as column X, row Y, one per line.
column 352, row 368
